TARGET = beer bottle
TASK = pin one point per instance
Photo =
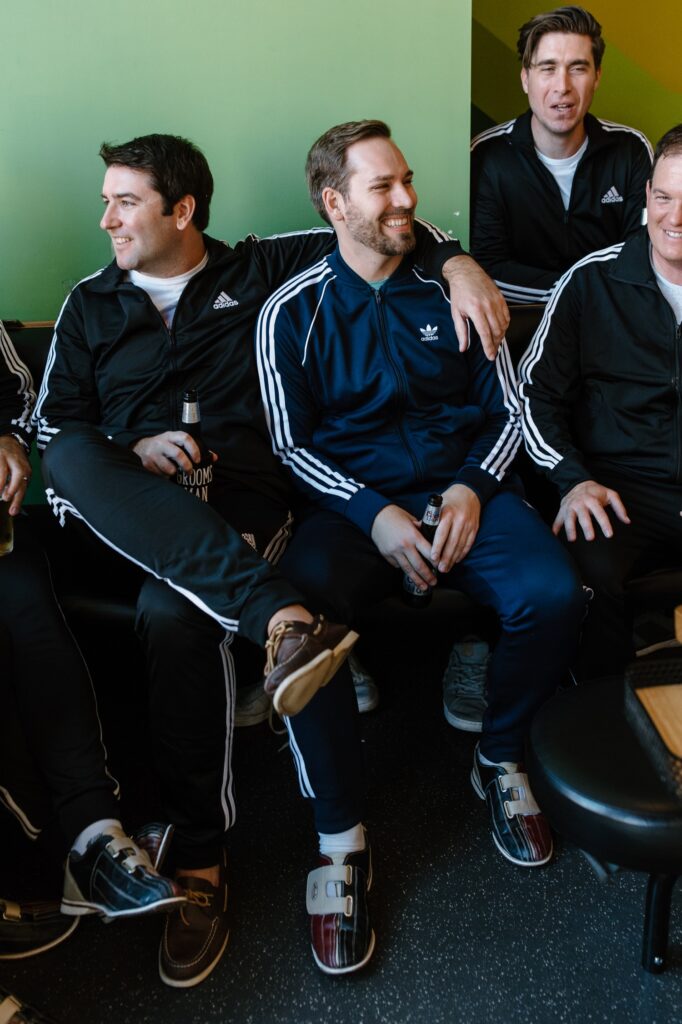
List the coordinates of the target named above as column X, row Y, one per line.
column 198, row 480
column 412, row 595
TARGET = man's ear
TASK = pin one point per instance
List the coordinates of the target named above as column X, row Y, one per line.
column 524, row 80
column 333, row 204
column 183, row 211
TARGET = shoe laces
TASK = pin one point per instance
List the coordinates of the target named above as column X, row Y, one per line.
column 470, row 677
column 272, row 644
column 274, row 730
column 195, row 898
column 199, row 897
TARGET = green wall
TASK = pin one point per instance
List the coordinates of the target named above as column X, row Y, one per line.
column 253, row 83
column 641, row 83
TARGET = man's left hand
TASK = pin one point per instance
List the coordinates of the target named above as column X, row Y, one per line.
column 15, row 472
column 475, row 296
column 459, row 520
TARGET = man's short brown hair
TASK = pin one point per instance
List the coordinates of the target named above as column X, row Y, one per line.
column 325, row 166
column 575, row 20
column 669, row 144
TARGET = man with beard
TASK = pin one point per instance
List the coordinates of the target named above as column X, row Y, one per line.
column 372, row 407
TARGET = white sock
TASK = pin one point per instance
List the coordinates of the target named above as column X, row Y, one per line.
column 510, row 766
column 334, row 843
column 82, row 841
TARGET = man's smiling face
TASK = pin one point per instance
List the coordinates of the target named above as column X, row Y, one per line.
column 381, row 200
column 664, row 216
column 143, row 237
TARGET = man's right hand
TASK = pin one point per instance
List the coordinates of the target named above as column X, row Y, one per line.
column 397, row 536
column 585, row 501
column 15, row 472
column 164, row 454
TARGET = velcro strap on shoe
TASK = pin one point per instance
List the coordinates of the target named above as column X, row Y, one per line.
column 8, row 1007
column 318, row 901
column 524, row 801
column 133, row 856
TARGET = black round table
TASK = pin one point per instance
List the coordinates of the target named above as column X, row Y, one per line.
column 599, row 789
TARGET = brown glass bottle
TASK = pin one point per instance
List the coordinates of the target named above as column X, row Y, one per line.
column 412, row 595
column 199, row 479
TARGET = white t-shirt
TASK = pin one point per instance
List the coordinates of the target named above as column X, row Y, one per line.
column 165, row 292
column 672, row 292
column 563, row 170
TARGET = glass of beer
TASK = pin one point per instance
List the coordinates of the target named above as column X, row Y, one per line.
column 6, row 529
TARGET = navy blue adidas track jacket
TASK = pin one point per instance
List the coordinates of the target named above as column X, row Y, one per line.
column 369, row 401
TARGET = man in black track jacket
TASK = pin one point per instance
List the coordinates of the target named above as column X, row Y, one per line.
column 177, row 309
column 602, row 402
column 52, row 759
column 555, row 183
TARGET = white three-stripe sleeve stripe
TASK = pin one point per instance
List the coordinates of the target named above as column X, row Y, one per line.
column 507, row 444
column 45, row 433
column 490, row 133
column 24, row 382
column 61, row 506
column 302, row 462
column 538, row 448
column 523, row 293
column 437, row 232
column 614, row 126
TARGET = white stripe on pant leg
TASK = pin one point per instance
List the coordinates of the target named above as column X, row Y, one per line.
column 303, row 780
column 227, row 788
column 60, row 506
column 31, row 830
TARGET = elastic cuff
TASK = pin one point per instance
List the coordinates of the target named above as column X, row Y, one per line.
column 261, row 605
column 75, row 816
column 336, row 815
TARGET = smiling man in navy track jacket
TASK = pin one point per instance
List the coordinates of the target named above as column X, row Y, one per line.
column 371, row 406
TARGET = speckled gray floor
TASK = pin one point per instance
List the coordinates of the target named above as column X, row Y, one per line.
column 462, row 936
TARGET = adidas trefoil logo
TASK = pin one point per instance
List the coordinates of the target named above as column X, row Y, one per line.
column 612, row 196
column 429, row 333
column 224, row 301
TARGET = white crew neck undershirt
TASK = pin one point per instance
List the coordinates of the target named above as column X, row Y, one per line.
column 165, row 292
column 563, row 170
column 672, row 292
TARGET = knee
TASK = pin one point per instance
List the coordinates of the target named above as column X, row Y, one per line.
column 599, row 566
column 163, row 611
column 65, row 451
column 552, row 594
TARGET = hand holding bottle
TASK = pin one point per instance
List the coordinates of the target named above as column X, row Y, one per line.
column 397, row 535
column 458, row 526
